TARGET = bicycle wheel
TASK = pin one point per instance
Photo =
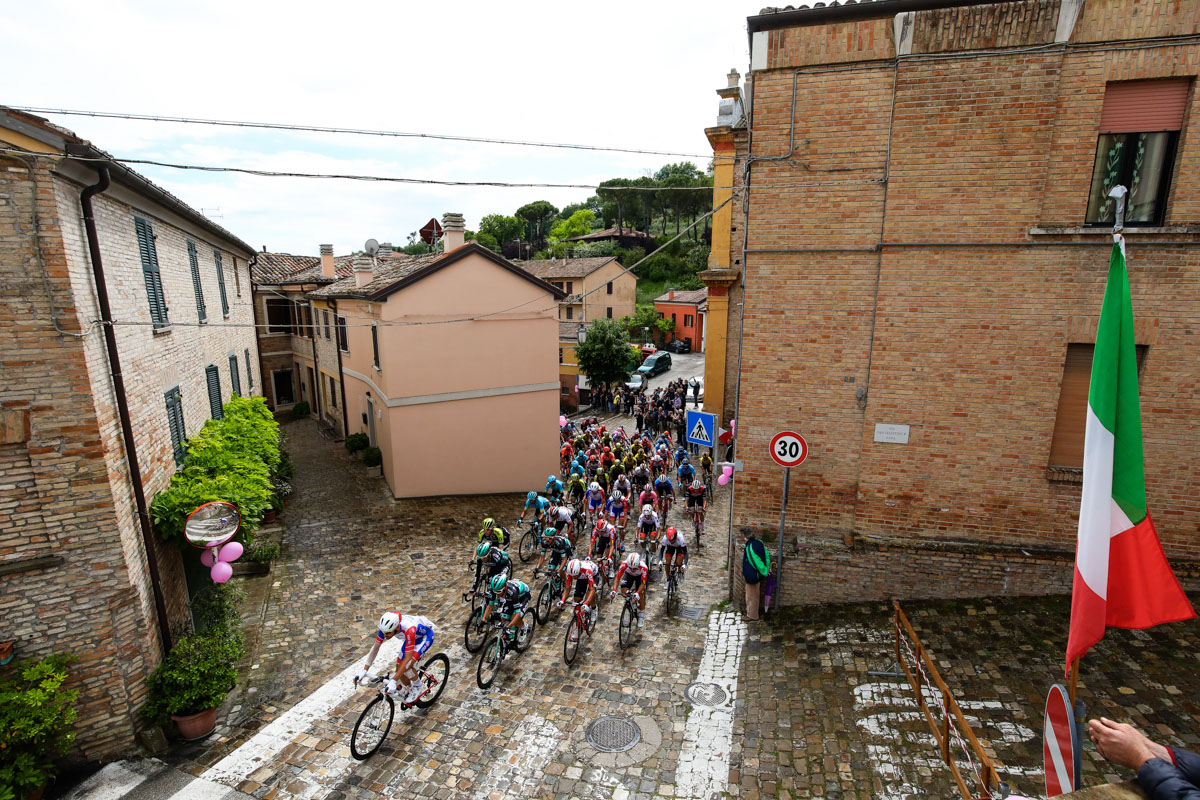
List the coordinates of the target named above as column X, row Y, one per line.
column 474, row 634
column 625, row 629
column 527, row 546
column 672, row 589
column 489, row 662
column 571, row 641
column 545, row 604
column 372, row 727
column 435, row 672
column 525, row 635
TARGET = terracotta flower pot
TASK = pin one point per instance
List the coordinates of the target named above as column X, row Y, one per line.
column 269, row 516
column 196, row 726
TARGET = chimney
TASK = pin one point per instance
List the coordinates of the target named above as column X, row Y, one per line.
column 385, row 249
column 363, row 270
column 671, row 295
column 453, row 231
column 327, row 270
column 731, row 107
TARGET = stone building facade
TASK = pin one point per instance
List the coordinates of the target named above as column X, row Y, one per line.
column 918, row 245
column 76, row 555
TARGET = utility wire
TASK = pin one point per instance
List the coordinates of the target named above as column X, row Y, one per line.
column 279, row 126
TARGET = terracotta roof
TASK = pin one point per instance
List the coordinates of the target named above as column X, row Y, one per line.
column 690, row 297
column 400, row 270
column 569, row 331
column 821, row 12
column 610, row 233
column 558, row 268
column 279, row 268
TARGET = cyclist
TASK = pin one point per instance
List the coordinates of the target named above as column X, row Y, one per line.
column 511, row 599
column 602, row 479
column 681, row 454
column 657, row 463
column 493, row 559
column 618, row 510
column 706, row 465
column 622, row 485
column 576, row 488
column 584, row 573
column 561, row 518
column 595, row 500
column 554, row 488
column 578, row 467
column 540, row 506
column 666, row 493
column 647, row 525
column 697, row 501
column 494, row 533
column 633, row 573
column 559, row 549
column 686, row 472
column 604, row 539
column 640, row 477
column 418, row 637
column 648, row 497
column 565, row 455
column 607, row 459
column 675, row 552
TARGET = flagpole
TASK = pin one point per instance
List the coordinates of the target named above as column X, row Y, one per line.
column 1074, row 680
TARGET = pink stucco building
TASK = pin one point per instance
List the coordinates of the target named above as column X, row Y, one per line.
column 450, row 365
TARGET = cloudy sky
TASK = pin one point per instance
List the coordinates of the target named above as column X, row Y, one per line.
column 622, row 74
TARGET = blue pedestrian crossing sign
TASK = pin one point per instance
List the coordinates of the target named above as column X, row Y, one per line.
column 700, row 427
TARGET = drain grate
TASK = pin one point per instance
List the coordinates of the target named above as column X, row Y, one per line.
column 613, row 734
column 694, row 613
column 705, row 694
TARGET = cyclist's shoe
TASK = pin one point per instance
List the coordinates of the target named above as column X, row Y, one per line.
column 595, row 615
column 640, row 621
column 414, row 691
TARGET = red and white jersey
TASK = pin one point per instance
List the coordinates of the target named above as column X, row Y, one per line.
column 588, row 571
column 642, row 572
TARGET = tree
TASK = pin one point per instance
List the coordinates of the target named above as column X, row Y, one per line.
column 537, row 217
column 579, row 224
column 604, row 355
column 488, row 241
column 501, row 228
column 645, row 322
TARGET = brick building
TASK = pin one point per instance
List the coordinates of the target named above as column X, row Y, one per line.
column 82, row 570
column 918, row 244
column 686, row 310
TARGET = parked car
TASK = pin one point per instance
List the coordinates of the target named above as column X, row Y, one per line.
column 636, row 382
column 680, row 346
column 648, row 349
column 656, row 363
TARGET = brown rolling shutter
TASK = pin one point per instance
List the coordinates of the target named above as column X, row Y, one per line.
column 1144, row 106
column 1067, row 448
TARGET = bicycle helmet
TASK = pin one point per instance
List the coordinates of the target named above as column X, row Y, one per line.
column 646, row 509
column 489, row 523
column 573, row 567
column 696, row 484
column 550, row 531
column 551, row 479
column 595, row 487
column 633, row 560
column 616, row 495
column 531, row 496
column 389, row 622
column 670, row 532
column 497, row 583
column 483, row 549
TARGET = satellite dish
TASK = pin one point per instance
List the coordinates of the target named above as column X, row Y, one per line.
column 371, row 246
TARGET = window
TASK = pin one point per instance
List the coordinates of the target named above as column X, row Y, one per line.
column 154, row 287
column 343, row 343
column 375, row 343
column 687, row 320
column 305, row 319
column 279, row 315
column 1139, row 131
column 565, row 389
column 609, row 309
column 570, row 287
column 672, row 320
column 213, row 377
column 660, row 315
column 249, row 372
column 221, row 283
column 333, row 393
column 237, row 278
column 560, row 358
column 570, row 312
column 234, row 378
column 609, row 288
column 201, row 313
column 325, row 317
column 1066, row 448
column 175, row 423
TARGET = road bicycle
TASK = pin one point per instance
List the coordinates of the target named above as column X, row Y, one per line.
column 630, row 613
column 475, row 630
column 531, row 542
column 376, row 719
column 498, row 644
column 478, row 594
column 672, row 595
column 580, row 624
column 648, row 543
column 697, row 515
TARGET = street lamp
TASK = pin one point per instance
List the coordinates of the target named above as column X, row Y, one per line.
column 582, row 334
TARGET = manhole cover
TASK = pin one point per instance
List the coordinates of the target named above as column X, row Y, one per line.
column 705, row 694
column 691, row 612
column 613, row 734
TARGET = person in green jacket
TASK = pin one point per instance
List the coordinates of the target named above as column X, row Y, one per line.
column 756, row 563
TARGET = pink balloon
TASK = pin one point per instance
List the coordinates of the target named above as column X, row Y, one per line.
column 726, row 471
column 232, row 551
column 206, row 557
column 733, row 426
column 723, row 479
column 221, row 572
column 562, row 421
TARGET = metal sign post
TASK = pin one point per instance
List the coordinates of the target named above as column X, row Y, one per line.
column 789, row 450
column 787, row 475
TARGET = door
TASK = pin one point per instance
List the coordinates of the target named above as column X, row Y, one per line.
column 285, row 393
column 312, row 392
column 371, row 422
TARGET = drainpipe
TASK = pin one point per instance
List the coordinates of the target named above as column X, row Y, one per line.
column 114, row 362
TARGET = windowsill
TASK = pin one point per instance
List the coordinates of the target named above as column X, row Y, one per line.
column 1064, row 474
column 1088, row 230
column 162, row 329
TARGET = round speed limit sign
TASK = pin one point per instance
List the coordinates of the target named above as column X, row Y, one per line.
column 789, row 449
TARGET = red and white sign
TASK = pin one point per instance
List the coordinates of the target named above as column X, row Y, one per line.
column 1060, row 743
column 789, row 449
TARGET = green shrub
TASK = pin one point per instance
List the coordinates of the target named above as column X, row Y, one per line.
column 372, row 457
column 301, row 410
column 36, row 713
column 357, row 441
column 262, row 553
column 216, row 607
column 195, row 676
column 286, row 468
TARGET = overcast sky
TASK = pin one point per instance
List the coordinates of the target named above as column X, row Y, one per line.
column 624, row 74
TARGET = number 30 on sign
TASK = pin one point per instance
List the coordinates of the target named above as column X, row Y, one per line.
column 789, row 449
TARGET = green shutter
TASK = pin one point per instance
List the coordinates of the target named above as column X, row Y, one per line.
column 221, row 283
column 214, row 392
column 175, row 423
column 234, row 377
column 375, row 344
column 154, row 288
column 249, row 372
column 195, row 262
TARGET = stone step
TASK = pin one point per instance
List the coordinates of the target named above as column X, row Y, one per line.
column 149, row 779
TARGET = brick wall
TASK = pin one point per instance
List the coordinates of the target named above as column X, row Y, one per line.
column 932, row 287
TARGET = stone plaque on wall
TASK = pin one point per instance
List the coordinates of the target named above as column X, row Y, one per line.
column 897, row 434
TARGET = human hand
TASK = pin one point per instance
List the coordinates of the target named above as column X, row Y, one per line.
column 611, row 595
column 360, row 676
column 1124, row 744
column 389, row 686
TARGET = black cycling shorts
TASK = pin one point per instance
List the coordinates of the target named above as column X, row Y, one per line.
column 671, row 550
column 602, row 543
column 581, row 587
column 631, row 581
column 695, row 502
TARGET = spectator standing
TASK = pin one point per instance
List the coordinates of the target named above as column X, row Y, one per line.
column 756, row 564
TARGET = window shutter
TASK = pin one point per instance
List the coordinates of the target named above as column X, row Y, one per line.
column 249, row 372
column 149, row 256
column 375, row 344
column 1066, row 450
column 175, row 424
column 1144, row 106
column 234, row 377
column 216, row 409
column 195, row 262
column 221, row 283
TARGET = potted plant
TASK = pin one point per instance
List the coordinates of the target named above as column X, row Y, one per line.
column 35, row 714
column 257, row 560
column 357, row 442
column 373, row 457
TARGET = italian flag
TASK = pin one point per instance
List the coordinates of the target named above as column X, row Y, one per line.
column 1122, row 578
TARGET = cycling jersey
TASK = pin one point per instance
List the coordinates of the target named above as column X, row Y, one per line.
column 538, row 504
column 648, row 498
column 674, row 546
column 559, row 548
column 417, row 632
column 554, row 487
column 617, row 508
column 602, row 537
column 588, row 572
column 499, row 534
column 622, row 485
column 631, row 576
column 576, row 488
column 663, row 486
column 562, row 517
column 513, row 597
column 695, row 497
column 495, row 562
column 686, row 474
column 680, row 455
column 595, row 498
column 648, row 522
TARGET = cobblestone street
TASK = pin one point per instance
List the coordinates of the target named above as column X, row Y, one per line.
column 791, row 707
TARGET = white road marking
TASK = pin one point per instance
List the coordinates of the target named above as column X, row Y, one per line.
column 115, row 780
column 703, row 769
column 533, row 744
